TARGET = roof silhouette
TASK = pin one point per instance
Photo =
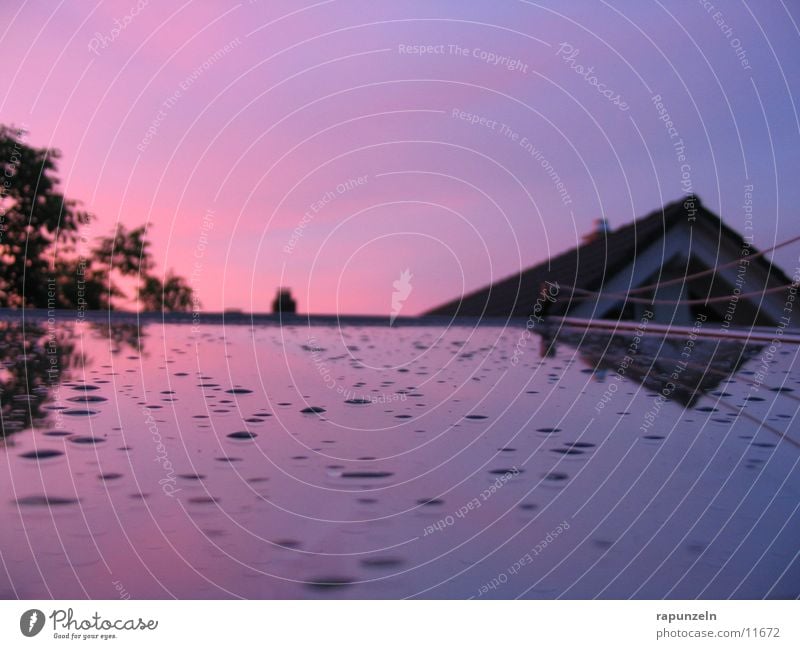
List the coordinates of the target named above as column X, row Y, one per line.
column 592, row 264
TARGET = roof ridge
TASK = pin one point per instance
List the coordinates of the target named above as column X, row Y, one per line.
column 553, row 260
column 590, row 261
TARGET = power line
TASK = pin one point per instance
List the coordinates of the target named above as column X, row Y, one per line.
column 693, row 276
column 644, row 300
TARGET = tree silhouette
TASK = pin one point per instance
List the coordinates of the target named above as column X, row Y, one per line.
column 43, row 266
column 126, row 251
column 33, row 361
column 173, row 294
column 33, row 216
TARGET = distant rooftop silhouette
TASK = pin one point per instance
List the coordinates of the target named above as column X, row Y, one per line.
column 284, row 302
column 677, row 241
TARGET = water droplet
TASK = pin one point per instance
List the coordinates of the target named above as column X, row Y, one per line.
column 242, row 434
column 41, row 454
column 329, row 583
column 566, row 451
column 85, row 388
column 382, row 562
column 289, row 544
column 86, row 439
column 77, row 412
column 87, row 398
column 504, row 471
column 46, row 501
column 367, row 474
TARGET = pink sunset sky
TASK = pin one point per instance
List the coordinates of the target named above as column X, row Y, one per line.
column 329, row 146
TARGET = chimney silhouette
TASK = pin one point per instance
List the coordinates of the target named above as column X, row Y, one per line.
column 601, row 229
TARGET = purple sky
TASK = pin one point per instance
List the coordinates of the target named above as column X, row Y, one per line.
column 307, row 101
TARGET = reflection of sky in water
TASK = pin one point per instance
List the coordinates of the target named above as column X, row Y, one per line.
column 425, row 463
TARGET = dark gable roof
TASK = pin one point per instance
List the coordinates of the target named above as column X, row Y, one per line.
column 591, row 264
column 714, row 360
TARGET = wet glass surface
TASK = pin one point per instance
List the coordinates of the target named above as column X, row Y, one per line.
column 378, row 462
